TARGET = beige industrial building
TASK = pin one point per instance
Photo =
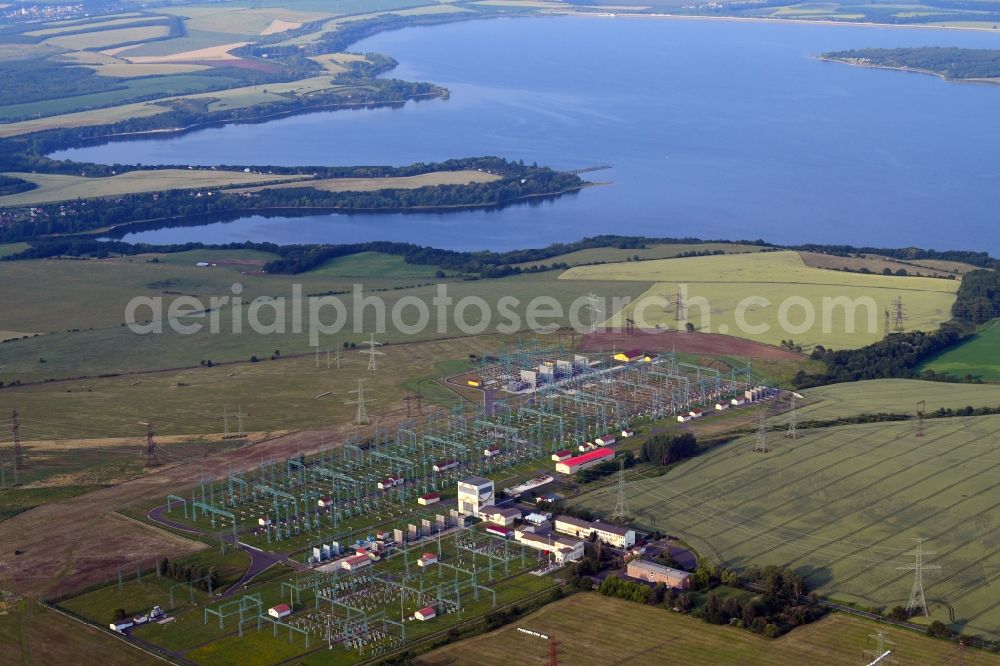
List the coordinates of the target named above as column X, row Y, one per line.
column 621, row 537
column 657, row 573
column 563, row 550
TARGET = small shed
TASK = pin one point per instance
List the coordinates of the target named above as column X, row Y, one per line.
column 280, row 611
column 424, row 614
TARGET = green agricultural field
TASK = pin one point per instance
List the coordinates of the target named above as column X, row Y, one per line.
column 657, row 251
column 593, row 630
column 34, row 634
column 391, row 183
column 7, row 249
column 373, row 264
column 844, row 506
column 105, row 38
column 277, row 395
column 979, row 357
column 774, row 296
column 95, row 293
column 56, row 187
column 897, row 396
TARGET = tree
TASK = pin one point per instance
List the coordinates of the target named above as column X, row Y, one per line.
column 689, row 327
column 119, row 614
column 938, row 629
column 899, row 614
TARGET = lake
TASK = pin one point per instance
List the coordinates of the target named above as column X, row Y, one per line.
column 713, row 129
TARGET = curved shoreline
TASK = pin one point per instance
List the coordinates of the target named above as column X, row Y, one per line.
column 910, row 70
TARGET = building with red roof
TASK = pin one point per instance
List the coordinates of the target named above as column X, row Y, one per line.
column 588, row 459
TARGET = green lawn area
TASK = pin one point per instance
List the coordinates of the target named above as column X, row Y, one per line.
column 978, row 357
column 594, row 630
column 372, row 264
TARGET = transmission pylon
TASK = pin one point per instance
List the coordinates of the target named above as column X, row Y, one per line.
column 593, row 306
column 679, row 306
column 760, row 446
column 553, row 651
column 361, row 416
column 921, row 408
column 880, row 651
column 7, row 597
column 917, row 599
column 621, row 508
column 897, row 315
column 793, row 422
column 151, row 460
column 15, row 431
column 885, row 323
column 372, row 351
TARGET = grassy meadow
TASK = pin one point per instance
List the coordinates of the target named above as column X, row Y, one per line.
column 843, row 506
column 86, row 335
column 57, row 187
column 978, row 357
column 719, row 289
column 27, row 636
column 898, row 396
column 391, row 183
column 593, row 630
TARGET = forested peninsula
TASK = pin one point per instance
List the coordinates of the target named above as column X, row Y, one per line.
column 951, row 63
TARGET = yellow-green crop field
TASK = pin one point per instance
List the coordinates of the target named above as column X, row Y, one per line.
column 594, row 630
column 843, row 506
column 57, row 187
column 106, row 38
column 895, row 396
column 393, row 183
column 775, row 296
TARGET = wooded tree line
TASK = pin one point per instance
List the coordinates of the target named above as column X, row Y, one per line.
column 666, row 449
column 517, row 183
column 951, row 62
column 900, row 354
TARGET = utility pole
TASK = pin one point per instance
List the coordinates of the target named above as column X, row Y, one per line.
column 372, row 351
column 621, row 508
column 760, row 446
column 921, row 408
column 917, row 599
column 793, row 422
column 15, row 431
column 225, row 422
column 593, row 306
column 151, row 460
column 361, row 416
column 881, row 651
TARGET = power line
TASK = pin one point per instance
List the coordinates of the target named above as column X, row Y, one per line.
column 372, row 351
column 917, row 599
column 361, row 416
column 151, row 460
column 15, row 431
column 793, row 421
column 621, row 507
column 760, row 446
column 881, row 652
